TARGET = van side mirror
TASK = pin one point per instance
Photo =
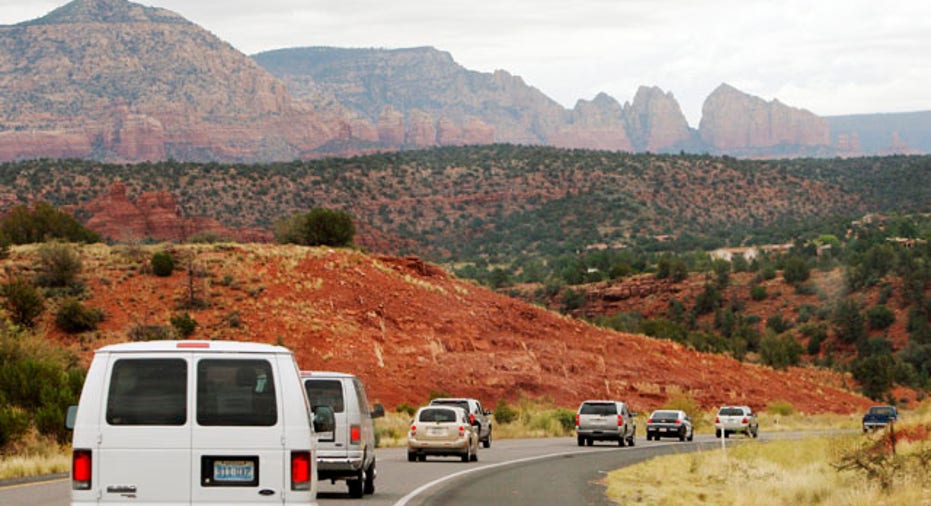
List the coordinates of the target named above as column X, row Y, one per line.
column 324, row 419
column 70, row 417
column 378, row 411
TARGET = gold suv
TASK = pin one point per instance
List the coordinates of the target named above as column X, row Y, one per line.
column 442, row 430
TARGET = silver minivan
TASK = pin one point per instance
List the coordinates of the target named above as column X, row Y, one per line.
column 191, row 422
column 347, row 452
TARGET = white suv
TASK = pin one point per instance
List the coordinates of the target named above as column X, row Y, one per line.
column 734, row 419
column 478, row 417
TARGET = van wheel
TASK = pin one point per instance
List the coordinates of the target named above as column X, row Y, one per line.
column 355, row 488
column 369, row 484
column 411, row 457
column 467, row 456
column 487, row 442
column 580, row 440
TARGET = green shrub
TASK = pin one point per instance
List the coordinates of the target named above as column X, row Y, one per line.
column 73, row 317
column 406, row 409
column 162, row 264
column 23, row 301
column 880, row 317
column 780, row 407
column 150, row 333
column 780, row 352
column 319, row 227
column 14, row 423
column 59, row 265
column 758, row 292
column 504, row 413
column 184, row 324
column 566, row 418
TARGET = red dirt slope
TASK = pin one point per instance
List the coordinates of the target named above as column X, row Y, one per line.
column 408, row 328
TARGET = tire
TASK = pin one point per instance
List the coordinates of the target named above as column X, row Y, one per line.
column 620, row 442
column 631, row 441
column 475, row 456
column 727, row 434
column 411, row 457
column 355, row 487
column 717, row 433
column 682, row 435
column 756, row 433
column 580, row 440
column 422, row 458
column 589, row 442
column 487, row 442
column 368, row 487
column 691, row 435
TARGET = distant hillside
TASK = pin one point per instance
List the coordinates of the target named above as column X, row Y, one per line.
column 503, row 201
column 905, row 132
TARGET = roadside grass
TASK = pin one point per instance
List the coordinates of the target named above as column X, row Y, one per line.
column 852, row 469
column 34, row 455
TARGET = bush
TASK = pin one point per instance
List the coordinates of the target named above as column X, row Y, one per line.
column 319, row 227
column 796, row 270
column 14, row 422
column 59, row 265
column 162, row 264
column 23, row 301
column 73, row 317
column 150, row 333
column 778, row 323
column 782, row 408
column 405, row 408
column 504, row 413
column 758, row 292
column 184, row 324
column 880, row 317
column 780, row 352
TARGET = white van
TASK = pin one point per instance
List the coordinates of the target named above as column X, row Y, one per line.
column 348, row 451
column 192, row 422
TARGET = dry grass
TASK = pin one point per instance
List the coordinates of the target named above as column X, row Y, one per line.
column 34, row 456
column 784, row 472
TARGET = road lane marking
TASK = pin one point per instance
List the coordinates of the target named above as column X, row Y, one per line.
column 31, row 483
column 419, row 490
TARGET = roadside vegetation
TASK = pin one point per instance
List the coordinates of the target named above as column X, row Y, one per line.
column 854, row 469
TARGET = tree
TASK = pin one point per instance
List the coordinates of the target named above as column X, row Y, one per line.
column 875, row 374
column 796, row 270
column 880, row 317
column 23, row 301
column 42, row 223
column 849, row 324
column 162, row 264
column 319, row 227
column 780, row 352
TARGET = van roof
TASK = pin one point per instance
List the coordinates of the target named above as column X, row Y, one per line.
column 326, row 374
column 193, row 347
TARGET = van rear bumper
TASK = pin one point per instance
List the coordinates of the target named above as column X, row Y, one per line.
column 331, row 468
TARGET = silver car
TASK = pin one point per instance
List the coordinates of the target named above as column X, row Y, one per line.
column 605, row 420
column 734, row 419
column 670, row 423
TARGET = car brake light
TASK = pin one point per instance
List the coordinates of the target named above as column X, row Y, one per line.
column 300, row 471
column 472, row 418
column 649, row 420
column 81, row 471
column 193, row 344
column 745, row 420
column 577, row 417
column 678, row 422
column 620, row 420
column 717, row 419
column 461, row 431
column 413, row 430
column 355, row 434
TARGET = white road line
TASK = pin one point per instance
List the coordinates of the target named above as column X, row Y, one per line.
column 419, row 490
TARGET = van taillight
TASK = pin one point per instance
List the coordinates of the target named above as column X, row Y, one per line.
column 577, row 418
column 300, row 471
column 717, row 419
column 81, row 470
column 355, row 434
column 620, row 420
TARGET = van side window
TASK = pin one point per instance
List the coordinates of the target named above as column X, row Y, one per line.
column 236, row 393
column 148, row 392
column 323, row 392
column 360, row 397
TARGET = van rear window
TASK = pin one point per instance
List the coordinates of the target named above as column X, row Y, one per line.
column 236, row 393
column 321, row 392
column 148, row 392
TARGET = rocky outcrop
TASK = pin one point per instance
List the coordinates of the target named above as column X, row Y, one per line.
column 154, row 215
column 655, row 121
column 117, row 81
column 595, row 124
column 735, row 122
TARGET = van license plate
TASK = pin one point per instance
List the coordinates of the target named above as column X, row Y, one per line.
column 233, row 471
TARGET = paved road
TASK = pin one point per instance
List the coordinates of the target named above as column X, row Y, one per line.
column 526, row 471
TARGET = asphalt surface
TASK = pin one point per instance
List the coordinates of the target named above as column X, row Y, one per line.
column 526, row 471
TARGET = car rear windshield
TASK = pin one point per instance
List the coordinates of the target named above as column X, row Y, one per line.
column 882, row 411
column 236, row 393
column 148, row 392
column 660, row 416
column 321, row 392
column 598, row 408
column 731, row 412
column 437, row 415
column 459, row 404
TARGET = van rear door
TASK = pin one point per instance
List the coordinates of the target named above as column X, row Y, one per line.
column 238, row 435
column 330, row 392
column 143, row 447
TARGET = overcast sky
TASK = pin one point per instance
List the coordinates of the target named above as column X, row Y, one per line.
column 828, row 56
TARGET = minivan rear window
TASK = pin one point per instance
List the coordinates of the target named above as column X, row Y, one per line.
column 148, row 392
column 437, row 415
column 731, row 412
column 598, row 408
column 238, row 393
column 321, row 392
